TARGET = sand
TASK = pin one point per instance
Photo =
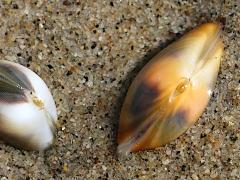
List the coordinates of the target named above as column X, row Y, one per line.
column 88, row 53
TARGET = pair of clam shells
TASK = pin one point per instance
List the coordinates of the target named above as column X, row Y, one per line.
column 165, row 99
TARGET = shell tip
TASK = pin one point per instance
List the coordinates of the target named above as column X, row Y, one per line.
column 123, row 149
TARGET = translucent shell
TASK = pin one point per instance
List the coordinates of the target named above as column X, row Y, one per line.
column 27, row 110
column 171, row 91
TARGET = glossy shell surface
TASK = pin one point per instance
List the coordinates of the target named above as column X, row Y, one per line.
column 171, row 91
column 27, row 110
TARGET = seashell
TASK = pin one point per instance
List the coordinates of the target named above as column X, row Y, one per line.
column 27, row 110
column 171, row 91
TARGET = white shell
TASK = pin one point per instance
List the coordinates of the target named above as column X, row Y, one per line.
column 29, row 123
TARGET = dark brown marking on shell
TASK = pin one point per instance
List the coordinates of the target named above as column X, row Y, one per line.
column 132, row 142
column 16, row 74
column 18, row 142
column 13, row 84
column 177, row 121
column 143, row 98
column 144, row 129
column 13, row 139
column 12, row 98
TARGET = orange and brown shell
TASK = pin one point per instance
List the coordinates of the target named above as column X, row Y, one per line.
column 171, row 91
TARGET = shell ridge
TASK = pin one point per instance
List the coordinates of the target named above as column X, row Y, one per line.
column 50, row 121
column 211, row 47
column 177, row 46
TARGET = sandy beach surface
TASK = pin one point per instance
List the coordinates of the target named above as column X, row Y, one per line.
column 88, row 53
